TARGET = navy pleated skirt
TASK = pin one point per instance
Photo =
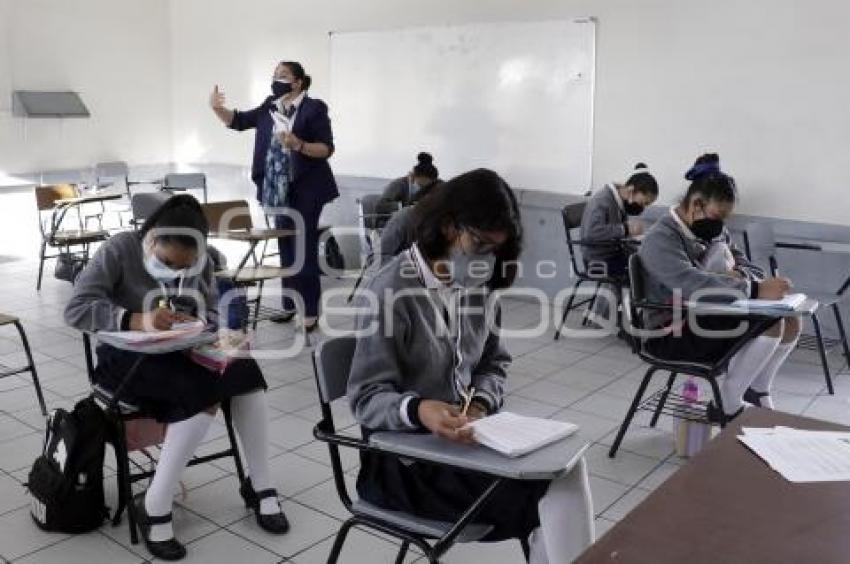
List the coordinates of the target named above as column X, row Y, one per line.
column 443, row 494
column 171, row 387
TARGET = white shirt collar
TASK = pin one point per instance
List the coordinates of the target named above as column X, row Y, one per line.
column 296, row 102
column 428, row 277
column 685, row 229
column 617, row 198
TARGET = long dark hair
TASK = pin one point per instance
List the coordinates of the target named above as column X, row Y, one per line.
column 180, row 211
column 480, row 200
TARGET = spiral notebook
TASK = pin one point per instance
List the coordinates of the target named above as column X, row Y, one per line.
column 515, row 435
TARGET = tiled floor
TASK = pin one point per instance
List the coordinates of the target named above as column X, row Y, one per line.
column 586, row 381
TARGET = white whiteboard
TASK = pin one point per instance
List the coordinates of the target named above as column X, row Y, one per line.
column 514, row 97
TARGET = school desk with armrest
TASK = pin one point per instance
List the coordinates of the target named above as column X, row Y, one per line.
column 332, row 362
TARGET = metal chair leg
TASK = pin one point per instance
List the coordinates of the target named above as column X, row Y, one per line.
column 526, row 549
column 822, row 350
column 234, row 445
column 336, row 549
column 31, row 367
column 568, row 308
column 402, row 552
column 663, row 400
column 631, row 413
column 40, row 265
column 590, row 306
column 842, row 333
column 718, row 400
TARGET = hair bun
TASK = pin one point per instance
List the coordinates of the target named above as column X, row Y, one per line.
column 642, row 166
column 425, row 158
column 706, row 164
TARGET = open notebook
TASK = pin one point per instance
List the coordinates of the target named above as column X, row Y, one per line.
column 515, row 435
column 140, row 337
column 789, row 303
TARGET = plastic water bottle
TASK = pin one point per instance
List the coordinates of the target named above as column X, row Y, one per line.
column 690, row 391
column 691, row 436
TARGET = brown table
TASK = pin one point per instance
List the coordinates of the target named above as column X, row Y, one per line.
column 726, row 506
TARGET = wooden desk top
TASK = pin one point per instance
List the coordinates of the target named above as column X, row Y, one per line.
column 727, row 506
column 256, row 234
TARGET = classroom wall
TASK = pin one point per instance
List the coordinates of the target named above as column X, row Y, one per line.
column 760, row 81
column 115, row 53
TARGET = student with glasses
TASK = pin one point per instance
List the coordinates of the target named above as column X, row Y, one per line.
column 433, row 339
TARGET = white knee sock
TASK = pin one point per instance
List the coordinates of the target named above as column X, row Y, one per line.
column 764, row 380
column 181, row 441
column 743, row 369
column 250, row 414
column 566, row 518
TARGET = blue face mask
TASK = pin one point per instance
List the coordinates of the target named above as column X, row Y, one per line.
column 414, row 188
column 471, row 270
column 159, row 271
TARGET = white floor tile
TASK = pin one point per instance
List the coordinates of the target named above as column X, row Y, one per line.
column 308, row 527
column 225, row 547
column 83, row 549
column 626, row 468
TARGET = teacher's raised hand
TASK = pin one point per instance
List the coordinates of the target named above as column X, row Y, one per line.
column 217, row 101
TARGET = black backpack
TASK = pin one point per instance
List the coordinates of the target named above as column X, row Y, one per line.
column 66, row 481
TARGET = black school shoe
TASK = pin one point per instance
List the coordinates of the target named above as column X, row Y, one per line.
column 754, row 397
column 284, row 317
column 276, row 523
column 713, row 414
column 170, row 549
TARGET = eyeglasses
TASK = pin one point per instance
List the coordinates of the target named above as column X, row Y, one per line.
column 480, row 244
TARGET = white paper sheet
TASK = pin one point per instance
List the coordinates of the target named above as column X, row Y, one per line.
column 800, row 455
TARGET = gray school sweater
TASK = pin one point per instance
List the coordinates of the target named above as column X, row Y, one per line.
column 115, row 280
column 671, row 257
column 398, row 234
column 603, row 221
column 406, row 357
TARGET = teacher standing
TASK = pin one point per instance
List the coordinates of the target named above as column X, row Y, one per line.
column 292, row 143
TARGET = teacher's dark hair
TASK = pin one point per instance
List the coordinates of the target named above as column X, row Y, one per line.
column 479, row 200
column 181, row 211
column 298, row 72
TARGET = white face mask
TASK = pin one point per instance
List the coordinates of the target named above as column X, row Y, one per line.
column 159, row 271
column 471, row 270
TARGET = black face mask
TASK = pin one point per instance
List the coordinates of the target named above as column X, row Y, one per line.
column 707, row 229
column 280, row 88
column 633, row 208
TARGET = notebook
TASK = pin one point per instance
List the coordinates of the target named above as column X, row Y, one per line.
column 140, row 337
column 789, row 303
column 515, row 435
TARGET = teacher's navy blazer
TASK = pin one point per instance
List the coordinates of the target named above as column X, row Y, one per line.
column 312, row 125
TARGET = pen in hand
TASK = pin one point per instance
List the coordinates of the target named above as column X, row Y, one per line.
column 467, row 401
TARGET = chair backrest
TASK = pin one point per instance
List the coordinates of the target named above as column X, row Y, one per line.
column 571, row 215
column 46, row 196
column 375, row 212
column 184, row 181
column 113, row 169
column 143, row 204
column 637, row 295
column 760, row 243
column 227, row 216
column 332, row 363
